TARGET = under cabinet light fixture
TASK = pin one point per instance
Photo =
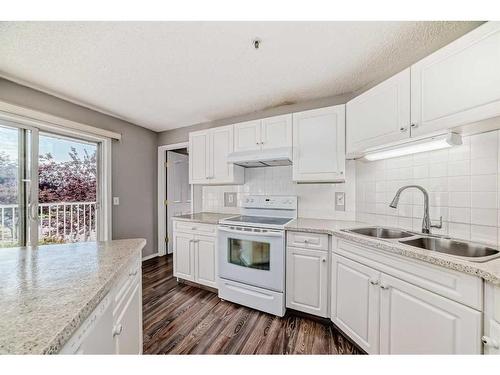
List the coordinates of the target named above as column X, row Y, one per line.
column 426, row 144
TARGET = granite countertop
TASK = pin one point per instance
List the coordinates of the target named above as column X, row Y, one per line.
column 47, row 292
column 489, row 271
column 204, row 217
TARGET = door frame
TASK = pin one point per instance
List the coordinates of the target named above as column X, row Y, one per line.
column 42, row 122
column 162, row 193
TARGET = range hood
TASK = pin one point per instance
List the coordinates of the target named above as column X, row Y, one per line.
column 262, row 158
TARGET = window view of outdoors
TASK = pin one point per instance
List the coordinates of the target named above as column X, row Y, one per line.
column 67, row 172
column 9, row 211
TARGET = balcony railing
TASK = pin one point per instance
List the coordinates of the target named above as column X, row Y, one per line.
column 58, row 222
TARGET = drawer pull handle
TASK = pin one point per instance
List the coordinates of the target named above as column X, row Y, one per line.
column 118, row 330
column 306, row 241
column 374, row 282
column 488, row 341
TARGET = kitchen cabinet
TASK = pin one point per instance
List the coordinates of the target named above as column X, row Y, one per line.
column 128, row 327
column 319, row 145
column 416, row 321
column 307, row 281
column 268, row 133
column 491, row 334
column 413, row 320
column 458, row 84
column 183, row 255
column 380, row 115
column 208, row 151
column 195, row 253
column 355, row 302
column 206, row 261
column 115, row 325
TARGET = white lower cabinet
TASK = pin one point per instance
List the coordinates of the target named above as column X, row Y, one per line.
column 307, row 281
column 195, row 255
column 416, row 321
column 387, row 315
column 115, row 325
column 355, row 302
column 128, row 327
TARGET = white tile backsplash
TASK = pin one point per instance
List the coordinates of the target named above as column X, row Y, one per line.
column 463, row 184
column 314, row 200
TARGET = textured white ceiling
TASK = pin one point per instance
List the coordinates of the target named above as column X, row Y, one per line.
column 165, row 75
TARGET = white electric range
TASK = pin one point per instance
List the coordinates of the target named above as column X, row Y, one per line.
column 251, row 260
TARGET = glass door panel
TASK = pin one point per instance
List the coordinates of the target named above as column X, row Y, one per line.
column 15, row 177
column 250, row 254
column 67, row 190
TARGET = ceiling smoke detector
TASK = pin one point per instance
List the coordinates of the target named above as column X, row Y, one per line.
column 256, row 43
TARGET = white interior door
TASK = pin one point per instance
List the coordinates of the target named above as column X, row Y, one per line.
column 178, row 190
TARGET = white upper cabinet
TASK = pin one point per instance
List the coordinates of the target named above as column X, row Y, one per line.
column 247, row 136
column 319, row 145
column 268, row 133
column 380, row 115
column 208, row 151
column 276, row 132
column 459, row 84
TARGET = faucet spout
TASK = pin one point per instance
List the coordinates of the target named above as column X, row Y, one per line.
column 426, row 221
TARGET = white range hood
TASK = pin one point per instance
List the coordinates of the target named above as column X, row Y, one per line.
column 262, row 158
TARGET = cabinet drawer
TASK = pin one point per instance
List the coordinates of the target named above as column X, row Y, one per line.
column 195, row 228
column 458, row 286
column 313, row 241
column 130, row 278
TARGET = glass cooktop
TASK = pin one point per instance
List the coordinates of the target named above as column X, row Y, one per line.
column 264, row 220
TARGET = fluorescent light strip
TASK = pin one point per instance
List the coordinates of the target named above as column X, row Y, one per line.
column 430, row 144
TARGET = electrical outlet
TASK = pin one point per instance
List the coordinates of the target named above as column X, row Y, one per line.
column 339, row 201
column 229, row 199
column 116, row 201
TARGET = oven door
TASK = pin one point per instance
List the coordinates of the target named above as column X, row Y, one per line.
column 252, row 256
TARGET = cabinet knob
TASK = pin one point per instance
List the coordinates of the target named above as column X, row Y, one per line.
column 132, row 273
column 403, row 129
column 488, row 341
column 323, row 260
column 414, row 125
column 374, row 282
column 117, row 330
column 385, row 287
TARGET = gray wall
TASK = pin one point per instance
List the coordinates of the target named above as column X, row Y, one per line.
column 134, row 161
column 181, row 134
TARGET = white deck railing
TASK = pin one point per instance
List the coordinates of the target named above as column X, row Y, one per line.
column 58, row 222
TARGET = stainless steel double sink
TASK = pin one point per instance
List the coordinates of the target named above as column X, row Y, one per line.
column 464, row 249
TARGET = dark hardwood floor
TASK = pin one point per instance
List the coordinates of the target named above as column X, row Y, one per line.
column 184, row 319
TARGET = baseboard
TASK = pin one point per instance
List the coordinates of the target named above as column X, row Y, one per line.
column 150, row 256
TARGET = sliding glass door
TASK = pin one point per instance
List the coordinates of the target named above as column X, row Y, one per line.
column 49, row 187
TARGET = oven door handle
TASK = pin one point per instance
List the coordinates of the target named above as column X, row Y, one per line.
column 257, row 234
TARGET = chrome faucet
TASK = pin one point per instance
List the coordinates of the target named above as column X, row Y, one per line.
column 426, row 222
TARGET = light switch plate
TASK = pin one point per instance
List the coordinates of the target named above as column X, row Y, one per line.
column 339, row 201
column 229, row 199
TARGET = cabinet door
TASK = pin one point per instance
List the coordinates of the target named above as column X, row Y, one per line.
column 128, row 330
column 199, row 161
column 319, row 145
column 458, row 84
column 380, row 115
column 183, row 256
column 206, row 261
column 247, row 136
column 221, row 144
column 276, row 132
column 416, row 321
column 355, row 302
column 307, row 281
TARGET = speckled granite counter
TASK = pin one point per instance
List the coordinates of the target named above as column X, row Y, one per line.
column 46, row 293
column 204, row 217
column 489, row 271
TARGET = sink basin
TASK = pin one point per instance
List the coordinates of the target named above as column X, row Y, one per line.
column 477, row 252
column 380, row 232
